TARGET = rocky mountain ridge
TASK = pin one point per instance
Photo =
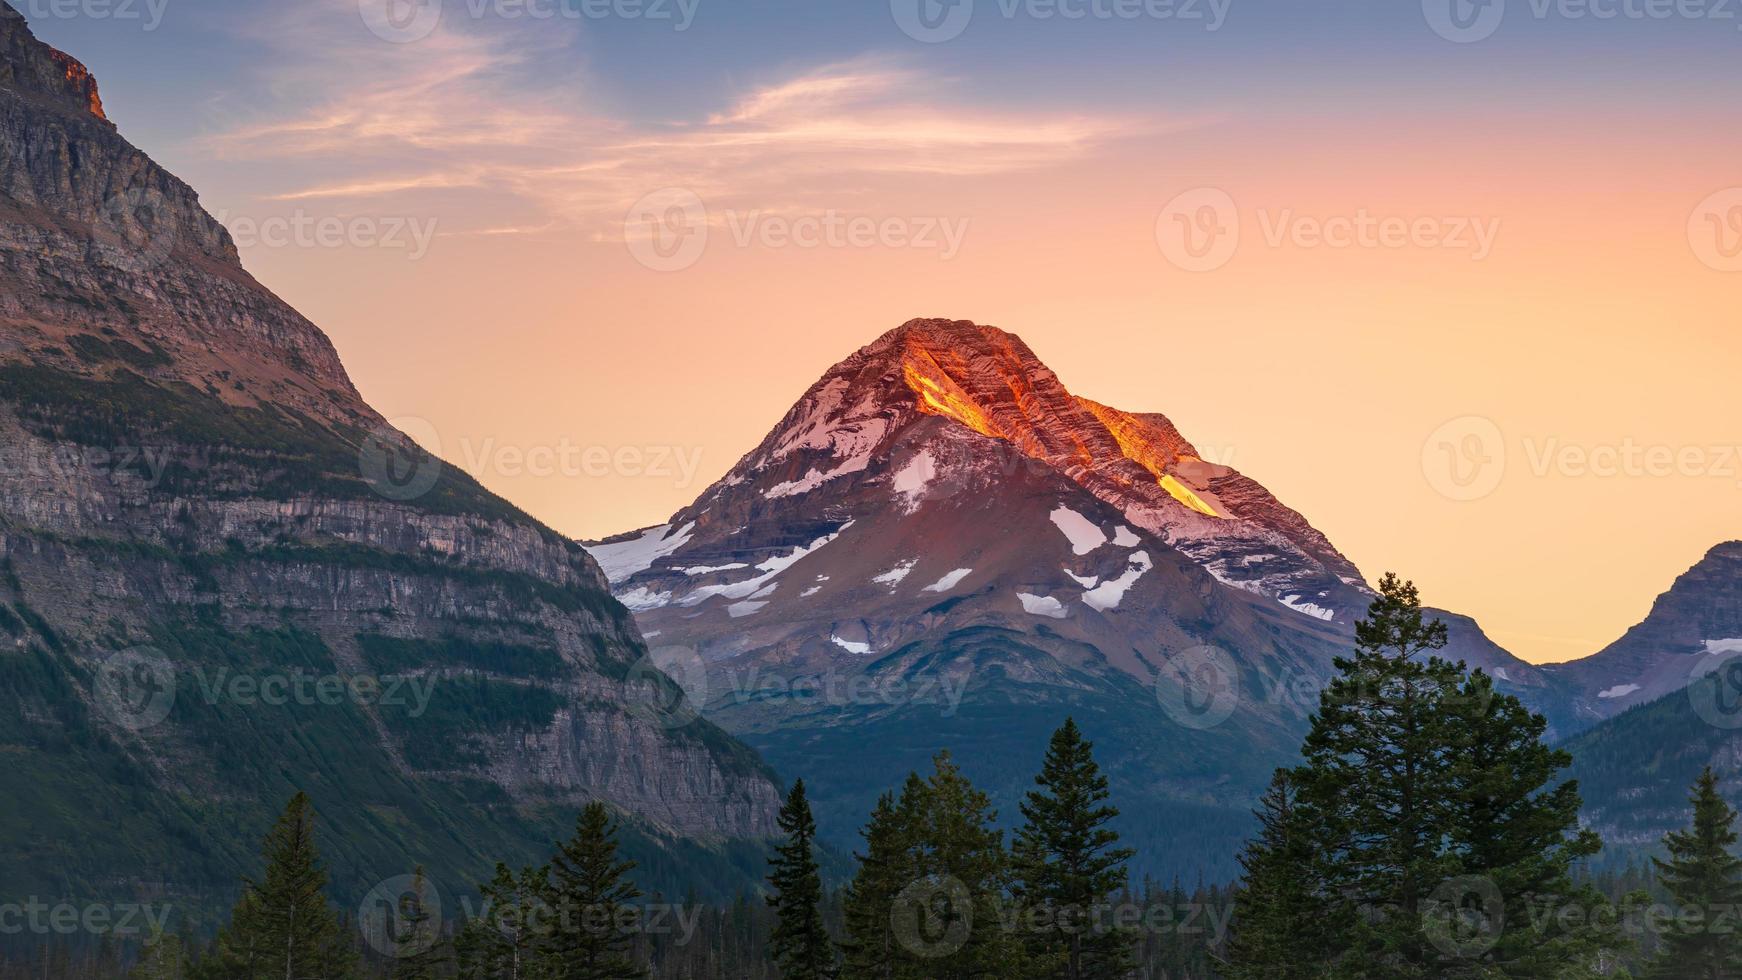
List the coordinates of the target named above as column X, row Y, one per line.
column 188, row 478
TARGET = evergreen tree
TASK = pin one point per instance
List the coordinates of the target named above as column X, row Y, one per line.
column 1704, row 878
column 590, row 896
column 869, row 950
column 283, row 929
column 1422, row 789
column 1279, row 926
column 507, row 940
column 800, row 944
column 419, row 941
column 1516, row 832
column 1067, row 864
column 948, row 920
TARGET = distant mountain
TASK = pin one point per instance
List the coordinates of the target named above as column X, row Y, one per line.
column 1635, row 770
column 939, row 516
column 198, row 511
column 1693, row 624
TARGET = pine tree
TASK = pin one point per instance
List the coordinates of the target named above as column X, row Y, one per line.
column 507, row 940
column 590, row 897
column 1705, row 879
column 419, row 941
column 869, row 950
column 283, row 928
column 1279, row 926
column 800, row 944
column 1423, row 789
column 1067, row 863
column 948, row 921
column 1514, row 831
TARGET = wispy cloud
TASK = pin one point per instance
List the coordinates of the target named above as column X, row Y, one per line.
column 453, row 112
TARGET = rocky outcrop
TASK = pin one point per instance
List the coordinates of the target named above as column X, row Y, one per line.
column 187, row 470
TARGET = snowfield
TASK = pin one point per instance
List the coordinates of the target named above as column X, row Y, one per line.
column 1041, row 605
column 1082, row 532
column 625, row 558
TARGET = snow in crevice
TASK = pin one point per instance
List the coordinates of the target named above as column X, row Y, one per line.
column 893, row 577
column 1107, row 595
column 1083, row 534
column 949, row 581
column 642, row 599
column 1500, row 674
column 1041, row 605
column 1312, row 609
column 910, row 483
column 711, row 569
column 849, row 645
column 816, row 478
column 769, row 569
column 813, row 590
column 623, row 559
column 1086, row 581
column 1618, row 691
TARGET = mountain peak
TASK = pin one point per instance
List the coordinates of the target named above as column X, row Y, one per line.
column 29, row 65
column 967, row 403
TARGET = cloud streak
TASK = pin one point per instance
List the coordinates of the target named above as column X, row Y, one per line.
column 453, row 114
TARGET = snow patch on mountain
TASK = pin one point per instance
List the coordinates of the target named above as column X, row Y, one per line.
column 893, row 577
column 949, row 581
column 1724, row 646
column 738, row 610
column 711, row 569
column 770, row 568
column 1086, row 581
column 1618, row 691
column 816, row 478
column 1312, row 609
column 623, row 559
column 642, row 598
column 1107, row 595
column 849, row 645
column 1083, row 534
column 910, row 483
column 1124, row 537
column 1041, row 605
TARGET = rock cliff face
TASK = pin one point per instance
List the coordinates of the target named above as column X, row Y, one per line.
column 193, row 494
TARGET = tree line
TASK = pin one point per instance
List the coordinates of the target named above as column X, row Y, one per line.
column 1425, row 833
